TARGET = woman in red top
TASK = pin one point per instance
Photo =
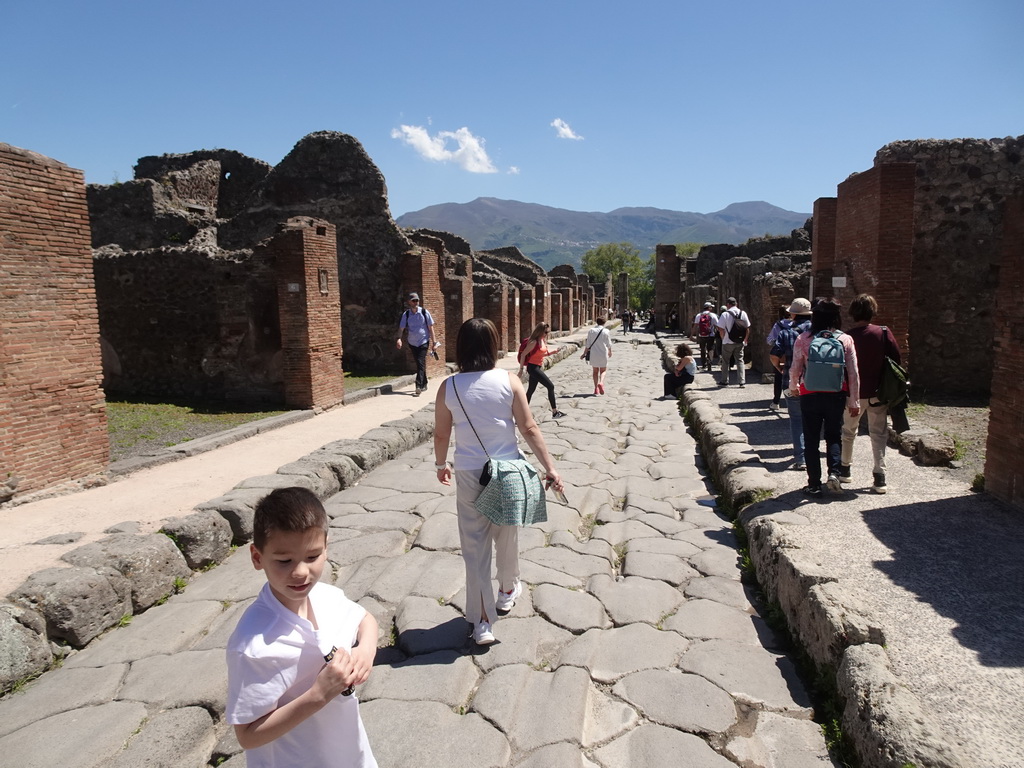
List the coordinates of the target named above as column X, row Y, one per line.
column 532, row 357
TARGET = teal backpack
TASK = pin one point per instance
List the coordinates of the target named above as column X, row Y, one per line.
column 826, row 363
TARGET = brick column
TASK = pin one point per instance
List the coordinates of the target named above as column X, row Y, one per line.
column 666, row 282
column 421, row 273
column 309, row 308
column 53, row 425
column 823, row 244
column 1004, row 455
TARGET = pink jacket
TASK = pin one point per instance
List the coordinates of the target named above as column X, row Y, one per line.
column 852, row 383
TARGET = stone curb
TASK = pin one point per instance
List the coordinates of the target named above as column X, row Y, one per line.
column 886, row 723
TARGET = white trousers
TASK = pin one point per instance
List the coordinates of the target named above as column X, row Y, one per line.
column 476, row 535
column 878, row 431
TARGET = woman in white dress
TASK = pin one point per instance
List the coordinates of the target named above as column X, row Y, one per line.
column 599, row 345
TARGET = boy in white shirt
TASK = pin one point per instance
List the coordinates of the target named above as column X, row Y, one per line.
column 289, row 707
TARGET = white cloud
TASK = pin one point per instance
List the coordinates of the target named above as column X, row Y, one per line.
column 513, row 170
column 468, row 152
column 564, row 131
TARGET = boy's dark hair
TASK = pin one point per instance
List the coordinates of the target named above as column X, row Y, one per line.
column 287, row 510
column 825, row 316
column 863, row 308
column 476, row 346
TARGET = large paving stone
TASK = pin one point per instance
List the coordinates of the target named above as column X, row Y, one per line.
column 706, row 518
column 381, row 544
column 562, row 755
column 652, row 506
column 356, row 579
column 60, row 690
column 400, row 502
column 617, row 533
column 559, row 519
column 418, row 572
column 634, row 599
column 687, row 702
column 666, row 488
column 574, row 610
column 658, row 745
column 611, row 654
column 83, row 738
column 166, row 629
column 24, row 648
column 427, row 733
column 582, row 567
column 361, row 494
column 708, row 620
column 722, row 590
column 440, row 532
column 221, row 627
column 662, row 524
column 750, row 674
column 532, row 573
column 445, row 676
column 385, row 520
column 235, row 579
column 664, row 547
column 425, row 626
column 174, row 738
column 189, row 679
column 406, row 482
column 709, row 538
column 535, row 709
column 651, row 565
column 530, row 640
column 719, row 561
column 593, row 547
column 781, row 742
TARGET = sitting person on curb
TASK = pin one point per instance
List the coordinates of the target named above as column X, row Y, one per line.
column 683, row 373
column 826, row 378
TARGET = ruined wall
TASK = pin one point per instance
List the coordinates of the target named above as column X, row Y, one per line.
column 238, row 178
column 1004, row 456
column 182, row 323
column 52, row 411
column 491, row 301
column 309, row 308
column 667, row 283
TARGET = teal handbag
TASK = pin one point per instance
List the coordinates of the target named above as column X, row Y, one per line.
column 513, row 491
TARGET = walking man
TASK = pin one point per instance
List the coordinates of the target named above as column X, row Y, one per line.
column 734, row 328
column 705, row 330
column 418, row 326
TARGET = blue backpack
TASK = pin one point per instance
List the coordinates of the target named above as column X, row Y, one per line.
column 826, row 363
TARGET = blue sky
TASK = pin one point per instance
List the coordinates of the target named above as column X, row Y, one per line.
column 588, row 106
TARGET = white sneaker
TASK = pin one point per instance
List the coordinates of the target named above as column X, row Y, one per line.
column 773, row 406
column 482, row 634
column 506, row 600
column 833, row 483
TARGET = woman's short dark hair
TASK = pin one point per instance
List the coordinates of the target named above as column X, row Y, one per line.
column 289, row 510
column 863, row 308
column 600, row 321
column 826, row 316
column 476, row 346
column 683, row 350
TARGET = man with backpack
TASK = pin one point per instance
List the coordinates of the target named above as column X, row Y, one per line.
column 826, row 378
column 418, row 327
column 705, row 330
column 874, row 343
column 734, row 328
column 781, row 356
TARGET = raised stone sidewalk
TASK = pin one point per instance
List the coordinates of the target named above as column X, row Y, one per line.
column 636, row 643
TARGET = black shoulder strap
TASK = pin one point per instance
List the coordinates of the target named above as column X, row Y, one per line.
column 467, row 418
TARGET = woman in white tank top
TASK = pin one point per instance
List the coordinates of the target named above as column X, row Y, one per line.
column 494, row 401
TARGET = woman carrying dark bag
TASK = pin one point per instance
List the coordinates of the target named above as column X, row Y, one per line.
column 484, row 405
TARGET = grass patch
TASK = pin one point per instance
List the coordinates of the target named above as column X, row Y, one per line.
column 354, row 382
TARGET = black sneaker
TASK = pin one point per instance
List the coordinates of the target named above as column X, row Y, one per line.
column 844, row 474
column 557, row 415
column 879, row 486
column 812, row 490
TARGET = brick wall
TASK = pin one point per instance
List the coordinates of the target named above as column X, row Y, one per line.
column 527, row 311
column 309, row 309
column 1004, row 456
column 491, row 301
column 667, row 283
column 874, row 245
column 513, row 329
column 457, row 287
column 555, row 310
column 52, row 411
column 823, row 243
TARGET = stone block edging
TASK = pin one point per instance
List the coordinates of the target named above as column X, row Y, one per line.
column 885, row 721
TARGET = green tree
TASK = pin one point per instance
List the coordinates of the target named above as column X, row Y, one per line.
column 613, row 258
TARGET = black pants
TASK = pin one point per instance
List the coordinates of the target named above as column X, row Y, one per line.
column 822, row 410
column 777, row 390
column 537, row 376
column 707, row 350
column 673, row 382
column 420, row 355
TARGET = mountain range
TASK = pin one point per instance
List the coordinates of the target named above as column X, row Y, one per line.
column 553, row 236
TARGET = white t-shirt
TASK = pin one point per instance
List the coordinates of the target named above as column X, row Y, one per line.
column 725, row 321
column 274, row 656
column 487, row 399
